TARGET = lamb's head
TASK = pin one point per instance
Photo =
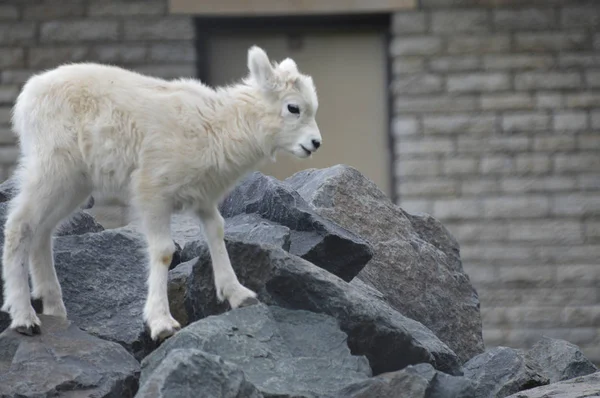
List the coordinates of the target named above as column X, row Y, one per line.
column 292, row 104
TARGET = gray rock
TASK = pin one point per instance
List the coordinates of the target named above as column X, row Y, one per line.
column 8, row 189
column 249, row 227
column 313, row 237
column 78, row 223
column 503, row 371
column 88, row 204
column 579, row 387
column 193, row 373
column 191, row 289
column 64, row 361
column 560, row 360
column 368, row 290
column 103, row 279
column 414, row 381
column 389, row 340
column 4, row 317
column 283, row 353
column 416, row 262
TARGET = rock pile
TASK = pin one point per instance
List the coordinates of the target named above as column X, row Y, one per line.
column 358, row 299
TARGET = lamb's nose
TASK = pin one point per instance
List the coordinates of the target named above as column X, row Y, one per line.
column 316, row 144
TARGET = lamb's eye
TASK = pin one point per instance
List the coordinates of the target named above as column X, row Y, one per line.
column 294, row 109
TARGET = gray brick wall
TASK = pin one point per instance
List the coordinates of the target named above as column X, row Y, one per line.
column 37, row 35
column 497, row 134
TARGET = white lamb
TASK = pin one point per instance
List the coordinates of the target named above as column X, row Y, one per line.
column 169, row 145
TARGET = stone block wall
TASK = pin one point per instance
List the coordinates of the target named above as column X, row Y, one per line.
column 36, row 35
column 497, row 134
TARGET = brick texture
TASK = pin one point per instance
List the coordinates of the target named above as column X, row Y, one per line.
column 504, row 148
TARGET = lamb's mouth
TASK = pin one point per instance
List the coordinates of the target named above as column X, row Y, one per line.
column 308, row 153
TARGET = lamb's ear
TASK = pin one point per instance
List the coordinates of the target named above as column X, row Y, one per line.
column 260, row 68
column 288, row 65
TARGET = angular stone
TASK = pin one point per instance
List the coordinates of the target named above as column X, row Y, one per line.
column 78, row 223
column 560, row 360
column 250, row 227
column 580, row 387
column 64, row 361
column 414, row 381
column 389, row 340
column 416, row 263
column 276, row 349
column 313, row 237
column 8, row 189
column 189, row 372
column 103, row 279
column 503, row 371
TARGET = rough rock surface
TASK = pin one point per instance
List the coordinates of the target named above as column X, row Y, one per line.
column 283, row 353
column 78, row 223
column 103, row 279
column 503, row 371
column 416, row 262
column 389, row 340
column 579, row 387
column 560, row 360
column 414, row 381
column 64, row 361
column 8, row 190
column 194, row 373
column 313, row 237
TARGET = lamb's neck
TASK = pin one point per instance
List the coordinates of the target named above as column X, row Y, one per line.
column 249, row 128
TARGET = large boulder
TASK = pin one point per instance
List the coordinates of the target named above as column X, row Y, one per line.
column 416, row 262
column 313, row 237
column 560, row 360
column 8, row 189
column 103, row 279
column 283, row 353
column 388, row 339
column 579, row 387
column 78, row 223
column 64, row 361
column 194, row 373
column 414, row 381
column 503, row 371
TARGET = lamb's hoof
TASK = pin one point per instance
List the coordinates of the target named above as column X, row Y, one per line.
column 248, row 302
column 29, row 330
column 163, row 329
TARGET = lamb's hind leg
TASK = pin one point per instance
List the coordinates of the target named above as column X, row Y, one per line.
column 41, row 262
column 226, row 282
column 25, row 213
column 18, row 233
column 156, row 220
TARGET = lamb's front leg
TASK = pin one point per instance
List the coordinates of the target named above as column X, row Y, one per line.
column 157, row 225
column 226, row 282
